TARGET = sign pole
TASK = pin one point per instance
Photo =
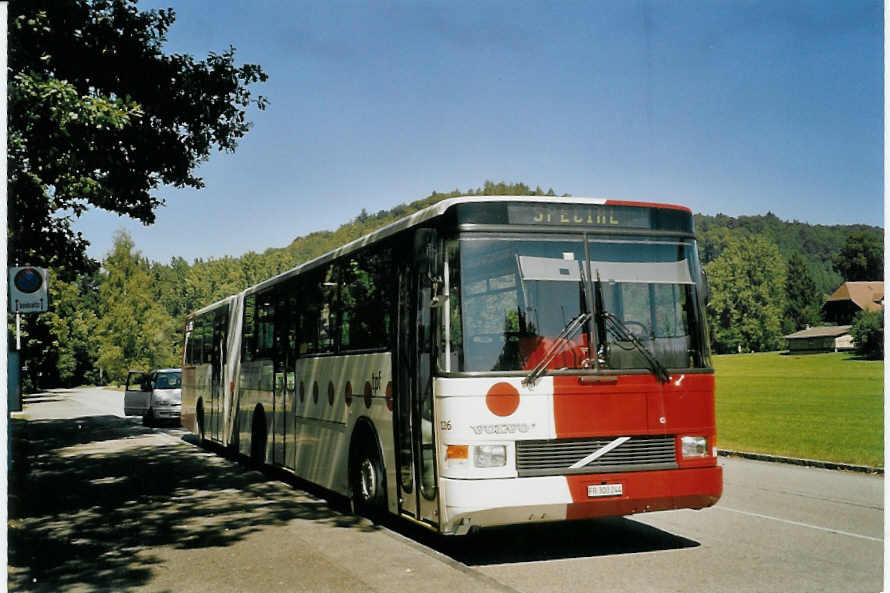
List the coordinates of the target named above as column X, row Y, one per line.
column 18, row 331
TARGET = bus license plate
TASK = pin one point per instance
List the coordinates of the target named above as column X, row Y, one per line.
column 598, row 490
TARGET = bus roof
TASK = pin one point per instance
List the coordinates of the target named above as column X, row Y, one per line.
column 421, row 216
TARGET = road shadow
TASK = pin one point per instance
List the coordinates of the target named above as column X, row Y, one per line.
column 559, row 541
column 91, row 497
column 547, row 541
column 500, row 545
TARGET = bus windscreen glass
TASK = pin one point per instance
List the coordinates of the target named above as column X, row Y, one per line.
column 511, row 298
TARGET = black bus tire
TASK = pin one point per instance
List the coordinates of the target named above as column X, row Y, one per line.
column 368, row 481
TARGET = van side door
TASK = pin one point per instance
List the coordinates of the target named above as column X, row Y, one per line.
column 137, row 393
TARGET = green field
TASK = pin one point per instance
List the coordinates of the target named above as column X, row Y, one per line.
column 816, row 406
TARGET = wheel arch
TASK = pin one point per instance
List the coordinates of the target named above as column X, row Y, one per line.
column 364, row 430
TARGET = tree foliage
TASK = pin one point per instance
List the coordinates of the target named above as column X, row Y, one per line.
column 868, row 334
column 817, row 244
column 100, row 117
column 135, row 330
column 747, row 296
column 803, row 302
column 861, row 258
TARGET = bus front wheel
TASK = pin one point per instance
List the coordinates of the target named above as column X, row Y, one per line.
column 368, row 483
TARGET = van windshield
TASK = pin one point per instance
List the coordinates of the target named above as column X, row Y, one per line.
column 168, row 381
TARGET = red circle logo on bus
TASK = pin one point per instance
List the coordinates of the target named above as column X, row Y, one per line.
column 502, row 399
column 389, row 396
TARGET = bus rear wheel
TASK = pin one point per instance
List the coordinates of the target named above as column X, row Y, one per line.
column 368, row 483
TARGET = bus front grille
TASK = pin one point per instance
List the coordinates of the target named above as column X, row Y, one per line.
column 557, row 457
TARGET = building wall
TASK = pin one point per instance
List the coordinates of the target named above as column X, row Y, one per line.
column 824, row 344
column 844, row 342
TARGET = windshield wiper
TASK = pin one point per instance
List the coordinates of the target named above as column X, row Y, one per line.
column 612, row 324
column 562, row 340
column 617, row 328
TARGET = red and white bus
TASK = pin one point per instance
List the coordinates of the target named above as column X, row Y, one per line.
column 485, row 361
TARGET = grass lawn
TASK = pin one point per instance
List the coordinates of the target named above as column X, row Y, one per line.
column 817, row 406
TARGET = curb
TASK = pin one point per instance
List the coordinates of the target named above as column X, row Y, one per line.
column 805, row 462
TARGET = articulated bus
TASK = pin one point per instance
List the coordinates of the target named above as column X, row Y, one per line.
column 485, row 361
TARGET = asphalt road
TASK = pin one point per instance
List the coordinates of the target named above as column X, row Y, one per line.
column 100, row 503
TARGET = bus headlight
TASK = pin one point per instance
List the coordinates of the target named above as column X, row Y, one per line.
column 489, row 455
column 694, row 446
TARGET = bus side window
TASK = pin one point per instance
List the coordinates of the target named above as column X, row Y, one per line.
column 285, row 314
column 367, row 298
column 265, row 324
column 189, row 346
column 195, row 342
column 248, row 333
column 308, row 299
column 207, row 334
column 327, row 328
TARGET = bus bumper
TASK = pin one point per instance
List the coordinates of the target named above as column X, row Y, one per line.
column 486, row 503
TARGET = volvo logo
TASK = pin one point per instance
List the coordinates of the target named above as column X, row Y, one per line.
column 522, row 427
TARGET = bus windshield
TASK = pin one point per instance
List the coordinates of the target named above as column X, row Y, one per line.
column 511, row 297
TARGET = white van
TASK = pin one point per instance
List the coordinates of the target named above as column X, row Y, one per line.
column 155, row 395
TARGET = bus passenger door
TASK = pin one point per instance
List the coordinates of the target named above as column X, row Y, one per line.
column 418, row 491
column 283, row 386
column 217, row 360
column 424, row 418
column 406, row 361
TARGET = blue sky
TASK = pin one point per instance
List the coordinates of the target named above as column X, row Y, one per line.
column 731, row 106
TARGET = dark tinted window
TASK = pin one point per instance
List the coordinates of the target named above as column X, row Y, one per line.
column 206, row 328
column 193, row 344
column 168, row 381
column 265, row 324
column 248, row 333
column 366, row 300
column 317, row 304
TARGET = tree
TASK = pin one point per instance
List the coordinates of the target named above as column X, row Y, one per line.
column 803, row 301
column 135, row 330
column 100, row 117
column 72, row 322
column 868, row 334
column 861, row 258
column 747, row 296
